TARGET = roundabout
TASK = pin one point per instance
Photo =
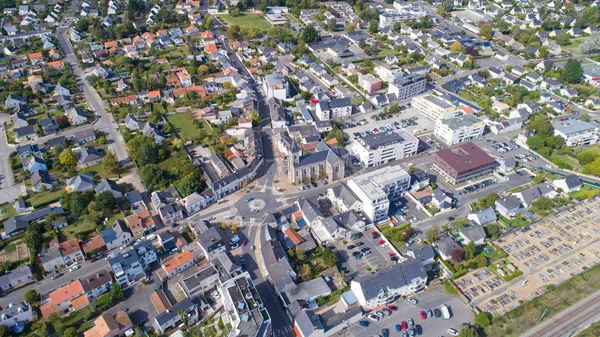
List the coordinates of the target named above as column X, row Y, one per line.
column 257, row 204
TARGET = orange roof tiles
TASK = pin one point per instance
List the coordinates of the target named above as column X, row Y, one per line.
column 103, row 326
column 66, row 292
column 48, row 310
column 181, row 259
column 92, row 244
column 331, row 142
column 160, row 301
column 211, row 48
column 293, row 235
column 56, row 64
column 155, row 93
column 207, row 33
column 80, row 302
column 109, row 44
column 298, row 215
column 69, row 247
column 35, row 55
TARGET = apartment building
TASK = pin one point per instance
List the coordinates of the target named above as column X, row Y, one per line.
column 435, row 106
column 17, row 312
column 465, row 162
column 336, row 108
column 407, row 86
column 459, row 129
column 276, row 85
column 381, row 148
column 375, row 190
column 576, row 132
column 244, row 307
column 369, row 83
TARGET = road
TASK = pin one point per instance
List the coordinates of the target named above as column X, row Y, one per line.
column 10, row 190
column 576, row 318
column 48, row 285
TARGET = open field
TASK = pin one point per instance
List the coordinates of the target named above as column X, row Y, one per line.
column 246, row 20
column 183, row 123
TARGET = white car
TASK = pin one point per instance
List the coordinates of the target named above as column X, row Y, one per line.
column 74, row 268
column 453, row 332
column 373, row 318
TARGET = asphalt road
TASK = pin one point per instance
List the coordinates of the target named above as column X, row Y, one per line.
column 9, row 191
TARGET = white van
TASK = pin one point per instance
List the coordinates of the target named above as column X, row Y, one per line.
column 445, row 311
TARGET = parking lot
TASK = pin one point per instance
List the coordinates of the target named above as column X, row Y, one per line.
column 430, row 299
column 403, row 118
column 378, row 257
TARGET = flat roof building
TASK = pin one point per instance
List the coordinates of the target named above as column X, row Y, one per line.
column 384, row 147
column 459, row 129
column 463, row 163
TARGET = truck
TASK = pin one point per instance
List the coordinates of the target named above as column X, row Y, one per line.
column 445, row 311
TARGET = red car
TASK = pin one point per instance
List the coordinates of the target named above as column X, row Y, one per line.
column 423, row 315
column 245, row 242
column 374, row 233
column 404, row 325
column 392, row 254
column 392, row 307
column 93, row 259
column 381, row 242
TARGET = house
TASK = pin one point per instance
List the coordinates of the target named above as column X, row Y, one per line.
column 576, row 132
column 97, row 284
column 25, row 133
column 507, row 206
column 117, row 235
column 76, row 116
column 167, row 241
column 568, row 184
column 171, row 318
column 210, row 240
column 34, row 163
column 59, row 223
column 13, row 101
column 19, row 223
column 68, row 298
column 475, row 234
column 51, row 259
column 15, row 278
column 423, row 253
column 81, row 183
column 483, row 217
column 528, row 196
column 170, row 213
column 71, row 252
column 87, row 156
column 140, row 223
column 17, row 313
column 41, row 180
column 109, row 185
column 569, row 92
column 49, row 126
column 108, row 325
column 84, row 136
column 445, row 247
column 177, row 264
column 198, row 281
column 441, row 200
column 373, row 290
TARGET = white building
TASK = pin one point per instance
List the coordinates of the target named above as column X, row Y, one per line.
column 381, row 288
column 576, row 132
column 17, row 312
column 459, row 129
column 435, row 106
column 407, row 87
column 376, row 188
column 381, row 148
column 276, row 85
column 336, row 108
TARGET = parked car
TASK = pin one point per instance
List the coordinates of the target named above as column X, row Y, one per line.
column 418, row 330
column 437, row 313
column 74, row 268
column 374, row 318
column 398, row 328
column 423, row 315
column 411, row 322
column 452, row 332
column 57, row 275
column 429, row 313
column 364, row 323
column 380, row 313
column 404, row 325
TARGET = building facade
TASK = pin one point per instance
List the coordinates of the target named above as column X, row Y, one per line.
column 459, row 129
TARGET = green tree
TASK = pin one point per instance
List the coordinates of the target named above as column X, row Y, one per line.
column 69, row 332
column 492, row 230
column 32, row 297
column 256, row 120
column 482, row 320
column 572, row 71
column 116, row 293
column 190, row 184
column 305, row 272
column 49, row 219
column 110, row 162
column 587, row 156
column 373, row 26
column 486, row 31
column 541, row 205
column 106, row 201
column 310, row 34
column 300, row 254
column 536, row 142
column 585, row 117
column 488, row 201
column 469, row 251
column 456, row 47
column 468, row 332
column 329, row 258
column 68, row 158
column 394, row 108
column 4, row 331
column 433, row 234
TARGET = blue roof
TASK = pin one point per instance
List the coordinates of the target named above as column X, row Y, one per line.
column 108, row 235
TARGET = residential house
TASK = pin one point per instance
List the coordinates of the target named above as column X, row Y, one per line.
column 117, row 235
column 474, row 233
column 483, row 216
column 568, row 184
column 68, row 298
column 97, row 284
column 109, row 185
column 445, row 247
column 508, row 206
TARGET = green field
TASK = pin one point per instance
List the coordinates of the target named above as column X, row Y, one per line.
column 592, row 331
column 246, row 20
column 183, row 123
column 40, row 199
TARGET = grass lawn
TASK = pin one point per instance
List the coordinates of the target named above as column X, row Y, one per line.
column 592, row 331
column 585, row 192
column 395, row 234
column 494, row 254
column 10, row 249
column 71, row 230
column 449, row 288
column 246, row 20
column 38, row 200
column 183, row 123
column 7, row 212
column 101, row 171
column 523, row 318
column 76, row 318
column 517, row 222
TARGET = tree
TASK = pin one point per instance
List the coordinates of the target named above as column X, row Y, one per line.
column 31, row 296
column 486, row 31
column 492, row 230
column 70, row 332
column 310, row 34
column 49, row 219
column 536, row 142
column 538, row 178
column 68, row 158
column 587, row 156
column 456, row 47
column 594, row 167
column 482, row 320
column 351, row 28
column 541, row 205
column 300, row 254
column 468, row 332
column 373, row 26
column 105, row 201
column 256, row 120
column 33, row 238
column 456, row 255
column 116, row 293
column 190, row 184
column 572, row 71
column 62, row 121
column 591, row 44
column 110, row 162
column 4, row 331
column 329, row 258
column 305, row 272
column 481, row 261
column 394, row 108
column 469, row 251
column 585, row 117
column 488, row 201
column 433, row 234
